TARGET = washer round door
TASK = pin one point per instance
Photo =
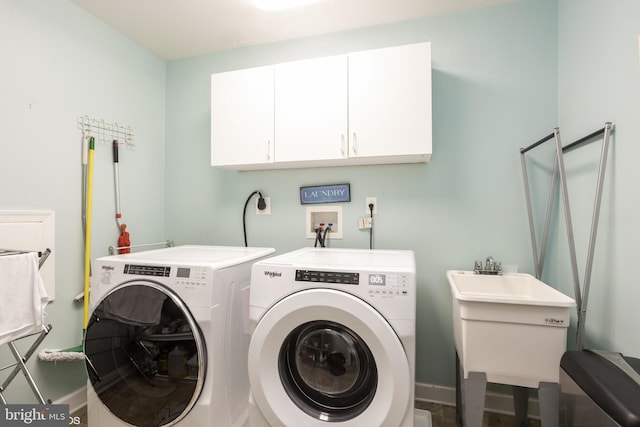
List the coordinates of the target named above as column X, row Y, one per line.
column 327, row 356
column 145, row 354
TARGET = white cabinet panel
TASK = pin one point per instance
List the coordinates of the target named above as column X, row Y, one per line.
column 390, row 101
column 33, row 231
column 311, row 109
column 369, row 107
column 242, row 117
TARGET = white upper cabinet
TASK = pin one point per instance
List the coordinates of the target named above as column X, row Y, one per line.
column 369, row 107
column 390, row 103
column 311, row 110
column 242, row 118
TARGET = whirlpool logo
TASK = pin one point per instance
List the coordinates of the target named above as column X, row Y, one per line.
column 107, row 271
column 554, row 321
column 272, row 274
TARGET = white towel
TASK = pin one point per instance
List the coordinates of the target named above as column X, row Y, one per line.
column 22, row 296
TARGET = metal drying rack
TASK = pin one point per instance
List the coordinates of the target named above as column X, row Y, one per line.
column 581, row 297
column 20, row 365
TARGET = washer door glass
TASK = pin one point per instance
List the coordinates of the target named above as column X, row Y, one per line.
column 145, row 354
column 328, row 371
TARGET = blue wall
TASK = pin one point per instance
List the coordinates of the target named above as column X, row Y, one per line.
column 60, row 63
column 494, row 91
column 599, row 80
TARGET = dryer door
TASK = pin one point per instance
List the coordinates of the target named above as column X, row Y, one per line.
column 145, row 354
column 323, row 355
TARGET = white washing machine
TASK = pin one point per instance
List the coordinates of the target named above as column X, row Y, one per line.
column 168, row 336
column 333, row 340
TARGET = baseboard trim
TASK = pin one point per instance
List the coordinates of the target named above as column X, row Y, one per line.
column 76, row 399
column 494, row 402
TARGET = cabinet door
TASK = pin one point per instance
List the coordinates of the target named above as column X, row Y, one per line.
column 311, row 109
column 242, row 117
column 390, row 102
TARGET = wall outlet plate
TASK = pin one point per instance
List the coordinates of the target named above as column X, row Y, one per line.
column 373, row 200
column 365, row 222
column 267, row 209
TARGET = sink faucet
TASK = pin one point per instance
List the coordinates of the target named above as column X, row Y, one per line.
column 490, row 267
column 489, row 264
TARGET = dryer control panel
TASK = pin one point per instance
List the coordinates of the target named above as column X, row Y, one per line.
column 147, row 270
column 183, row 275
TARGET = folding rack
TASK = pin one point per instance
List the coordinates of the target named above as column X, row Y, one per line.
column 20, row 365
column 559, row 171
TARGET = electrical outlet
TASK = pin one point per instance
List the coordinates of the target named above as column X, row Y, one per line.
column 267, row 209
column 365, row 222
column 370, row 200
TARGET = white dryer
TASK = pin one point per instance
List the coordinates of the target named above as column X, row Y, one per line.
column 333, row 340
column 168, row 336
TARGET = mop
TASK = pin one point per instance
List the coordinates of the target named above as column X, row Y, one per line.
column 76, row 353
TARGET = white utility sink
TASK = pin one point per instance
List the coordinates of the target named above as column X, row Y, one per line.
column 515, row 288
column 512, row 327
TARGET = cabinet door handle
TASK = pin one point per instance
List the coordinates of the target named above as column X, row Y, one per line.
column 268, row 149
column 354, row 144
column 342, row 145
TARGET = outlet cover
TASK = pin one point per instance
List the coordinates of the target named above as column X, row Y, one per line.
column 267, row 209
column 373, row 200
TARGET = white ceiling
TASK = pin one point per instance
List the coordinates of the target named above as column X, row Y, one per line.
column 175, row 29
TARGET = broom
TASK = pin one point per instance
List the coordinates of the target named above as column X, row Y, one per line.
column 76, row 353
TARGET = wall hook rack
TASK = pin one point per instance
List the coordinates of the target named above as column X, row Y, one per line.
column 106, row 132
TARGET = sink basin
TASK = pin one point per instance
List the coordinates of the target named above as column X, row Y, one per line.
column 511, row 327
column 507, row 289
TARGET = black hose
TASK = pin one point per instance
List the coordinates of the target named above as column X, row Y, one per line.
column 321, row 236
column 324, row 235
column 371, row 229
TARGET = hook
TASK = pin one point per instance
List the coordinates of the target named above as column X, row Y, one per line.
column 129, row 137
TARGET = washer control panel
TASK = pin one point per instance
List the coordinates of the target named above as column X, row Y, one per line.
column 378, row 284
column 388, row 284
column 327, row 277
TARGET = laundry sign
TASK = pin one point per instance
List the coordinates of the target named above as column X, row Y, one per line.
column 325, row 194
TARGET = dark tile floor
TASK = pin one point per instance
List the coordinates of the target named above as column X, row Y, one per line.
column 441, row 416
column 81, row 414
column 445, row 416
